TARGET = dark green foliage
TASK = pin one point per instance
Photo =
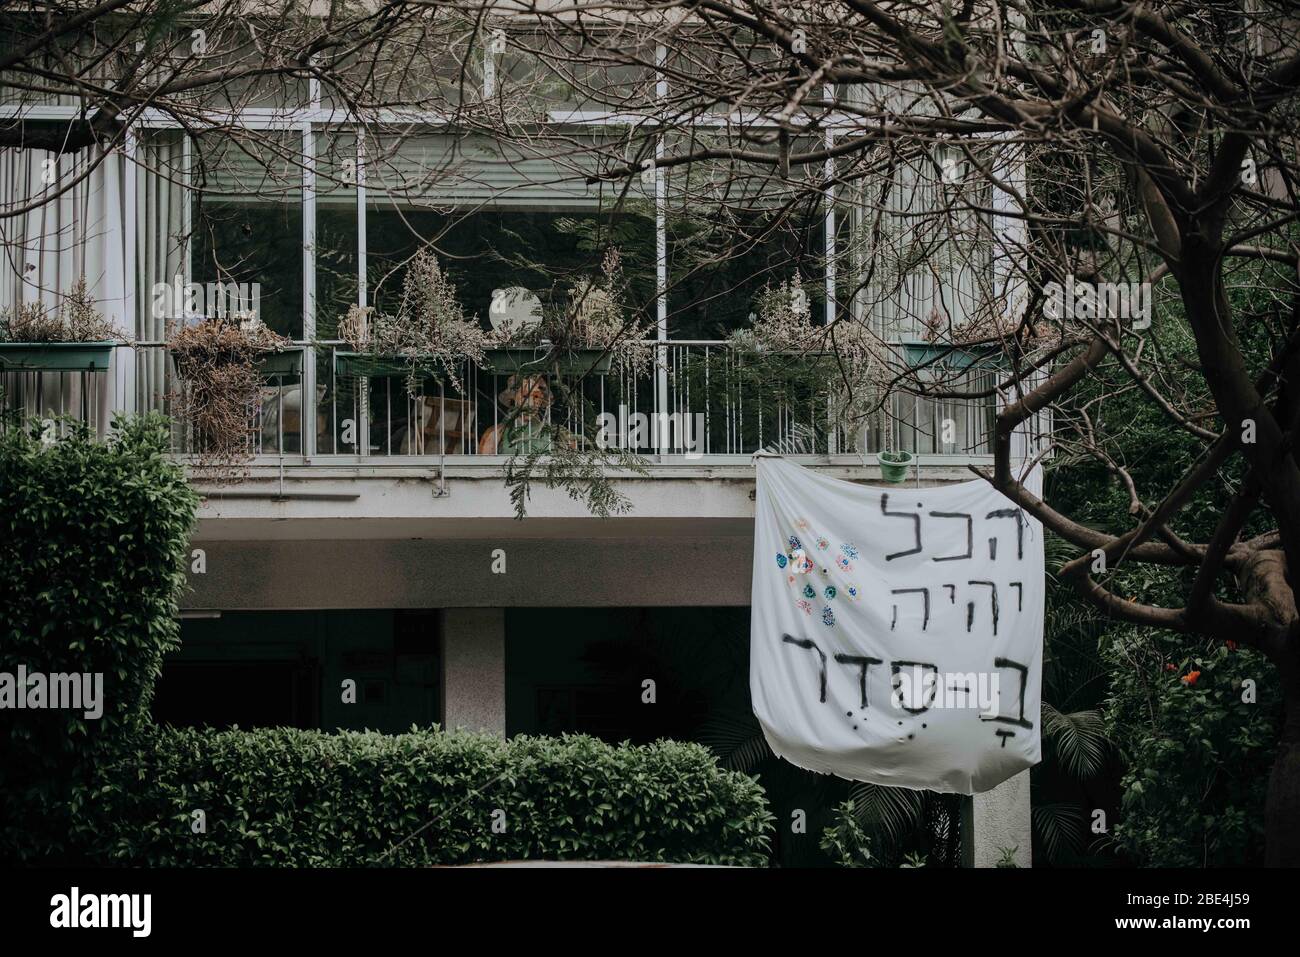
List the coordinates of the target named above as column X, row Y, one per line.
column 92, row 547
column 845, row 840
column 1198, row 754
column 92, row 541
column 286, row 797
column 1194, row 759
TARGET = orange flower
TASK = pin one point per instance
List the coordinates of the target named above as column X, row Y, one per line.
column 1190, row 677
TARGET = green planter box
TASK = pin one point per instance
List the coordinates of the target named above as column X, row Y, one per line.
column 529, row 360
column 279, row 364
column 950, row 357
column 55, row 356
column 286, row 363
column 364, row 365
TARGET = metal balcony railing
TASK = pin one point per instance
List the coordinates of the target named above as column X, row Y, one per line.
column 702, row 399
column 54, row 398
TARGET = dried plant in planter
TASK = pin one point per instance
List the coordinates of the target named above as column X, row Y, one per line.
column 848, row 354
column 76, row 320
column 592, row 317
column 216, row 359
column 429, row 327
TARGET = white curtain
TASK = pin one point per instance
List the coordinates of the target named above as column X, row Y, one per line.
column 62, row 218
column 160, row 254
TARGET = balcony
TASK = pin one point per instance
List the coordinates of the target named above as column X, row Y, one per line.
column 703, row 404
column 715, row 404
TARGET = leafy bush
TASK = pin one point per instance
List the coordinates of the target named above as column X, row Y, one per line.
column 287, row 797
column 845, row 840
column 1198, row 756
column 92, row 539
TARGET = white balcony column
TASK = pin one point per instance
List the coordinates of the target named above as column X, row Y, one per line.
column 998, row 820
column 122, row 374
column 474, row 669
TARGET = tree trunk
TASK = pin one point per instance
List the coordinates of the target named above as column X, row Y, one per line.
column 1282, row 806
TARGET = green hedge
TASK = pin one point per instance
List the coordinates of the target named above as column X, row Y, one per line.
column 92, row 542
column 287, row 797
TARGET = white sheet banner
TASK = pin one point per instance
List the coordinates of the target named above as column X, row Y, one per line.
column 897, row 633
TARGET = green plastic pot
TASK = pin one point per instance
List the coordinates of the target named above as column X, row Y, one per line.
column 369, row 366
column 55, row 356
column 894, row 465
column 528, row 360
column 285, row 363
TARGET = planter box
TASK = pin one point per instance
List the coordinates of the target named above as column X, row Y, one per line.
column 950, row 357
column 539, row 360
column 364, row 365
column 286, row 363
column 55, row 356
column 279, row 364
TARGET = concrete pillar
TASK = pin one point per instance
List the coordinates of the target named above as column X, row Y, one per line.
column 995, row 820
column 474, row 669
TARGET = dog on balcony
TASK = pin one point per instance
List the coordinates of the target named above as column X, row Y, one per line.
column 526, row 400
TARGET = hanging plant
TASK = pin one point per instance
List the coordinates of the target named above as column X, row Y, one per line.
column 589, row 328
column 429, row 333
column 852, row 361
column 221, row 397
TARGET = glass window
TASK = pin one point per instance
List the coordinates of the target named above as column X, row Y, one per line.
column 537, row 71
column 247, row 222
column 499, row 217
column 242, row 54
column 920, row 247
column 336, row 243
column 733, row 228
column 421, row 66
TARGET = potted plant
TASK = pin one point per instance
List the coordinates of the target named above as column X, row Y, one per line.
column 221, row 364
column 894, row 463
column 789, row 351
column 74, row 338
column 585, row 332
column 426, row 338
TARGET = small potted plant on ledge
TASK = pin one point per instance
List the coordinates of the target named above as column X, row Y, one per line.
column 427, row 338
column 894, row 463
column 220, row 363
column 586, row 332
column 73, row 338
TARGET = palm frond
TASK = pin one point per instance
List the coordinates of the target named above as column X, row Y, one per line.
column 1059, row 828
column 1079, row 738
column 801, row 439
column 893, row 810
column 1057, row 551
column 737, row 740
